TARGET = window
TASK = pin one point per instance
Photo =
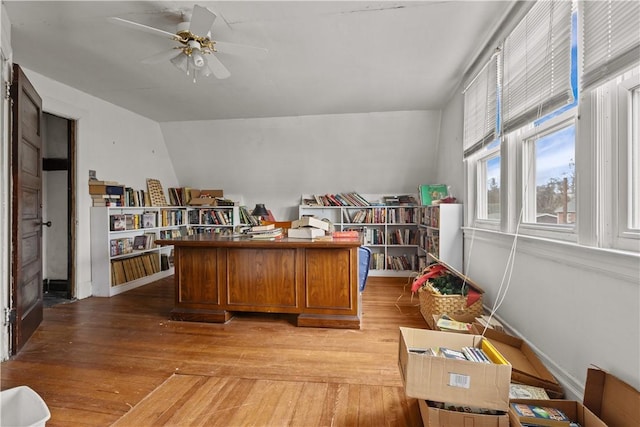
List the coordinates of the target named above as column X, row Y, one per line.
column 549, row 176
column 489, row 186
column 567, row 166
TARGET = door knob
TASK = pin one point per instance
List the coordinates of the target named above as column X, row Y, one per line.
column 48, row 223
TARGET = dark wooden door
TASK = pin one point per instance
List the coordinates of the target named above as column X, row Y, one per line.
column 26, row 169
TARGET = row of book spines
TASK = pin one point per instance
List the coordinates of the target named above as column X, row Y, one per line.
column 136, row 197
column 127, row 245
column 211, row 216
column 246, row 217
column 340, row 199
column 393, row 262
column 128, row 269
column 403, row 237
column 381, row 216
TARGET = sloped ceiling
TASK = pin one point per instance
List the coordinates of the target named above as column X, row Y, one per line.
column 324, row 57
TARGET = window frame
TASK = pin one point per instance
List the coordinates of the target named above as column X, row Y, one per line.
column 481, row 186
column 524, row 140
column 622, row 236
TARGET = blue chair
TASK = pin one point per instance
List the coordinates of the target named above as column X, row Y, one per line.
column 364, row 260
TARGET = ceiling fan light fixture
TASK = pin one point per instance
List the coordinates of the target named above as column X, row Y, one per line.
column 181, row 62
column 198, row 59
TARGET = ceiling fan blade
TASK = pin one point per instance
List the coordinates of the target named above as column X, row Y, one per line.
column 161, row 56
column 201, row 20
column 241, row 49
column 141, row 27
column 217, row 67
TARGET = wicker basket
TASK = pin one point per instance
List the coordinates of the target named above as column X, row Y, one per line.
column 435, row 304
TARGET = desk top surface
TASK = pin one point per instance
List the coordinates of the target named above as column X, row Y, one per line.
column 216, row 240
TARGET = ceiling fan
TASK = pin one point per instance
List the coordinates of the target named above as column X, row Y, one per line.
column 195, row 53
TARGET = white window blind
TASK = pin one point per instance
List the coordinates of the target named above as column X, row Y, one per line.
column 537, row 64
column 480, row 108
column 611, row 38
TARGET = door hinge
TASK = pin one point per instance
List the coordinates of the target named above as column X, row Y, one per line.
column 9, row 316
column 7, row 90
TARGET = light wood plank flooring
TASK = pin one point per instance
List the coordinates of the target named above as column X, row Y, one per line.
column 96, row 359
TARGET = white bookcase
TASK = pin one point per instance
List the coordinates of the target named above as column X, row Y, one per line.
column 213, row 219
column 440, row 229
column 112, row 249
column 391, row 232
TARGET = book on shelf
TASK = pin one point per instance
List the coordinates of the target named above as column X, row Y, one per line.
column 540, row 415
column 149, row 220
column 432, row 192
column 140, row 242
column 117, row 222
column 106, row 189
column 99, row 182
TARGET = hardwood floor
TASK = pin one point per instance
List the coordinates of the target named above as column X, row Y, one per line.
column 94, row 360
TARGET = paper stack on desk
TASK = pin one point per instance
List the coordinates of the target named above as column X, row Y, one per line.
column 307, row 227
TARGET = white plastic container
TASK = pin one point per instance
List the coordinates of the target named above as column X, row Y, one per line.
column 22, row 407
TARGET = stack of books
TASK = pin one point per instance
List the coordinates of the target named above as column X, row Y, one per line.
column 307, row 227
column 106, row 193
column 267, row 232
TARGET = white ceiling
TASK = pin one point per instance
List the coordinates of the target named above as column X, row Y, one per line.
column 324, row 57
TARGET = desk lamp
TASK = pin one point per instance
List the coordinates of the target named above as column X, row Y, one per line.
column 260, row 211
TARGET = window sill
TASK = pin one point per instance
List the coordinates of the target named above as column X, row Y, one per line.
column 621, row 264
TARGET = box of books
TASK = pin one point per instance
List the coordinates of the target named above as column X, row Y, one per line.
column 527, row 367
column 460, row 369
column 438, row 414
column 608, row 401
column 204, row 197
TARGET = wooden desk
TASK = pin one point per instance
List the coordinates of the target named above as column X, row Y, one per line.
column 216, row 276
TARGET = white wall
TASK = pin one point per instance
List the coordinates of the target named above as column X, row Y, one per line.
column 450, row 168
column 54, row 201
column 575, row 306
column 276, row 160
column 118, row 144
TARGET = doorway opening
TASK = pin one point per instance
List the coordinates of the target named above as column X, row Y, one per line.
column 58, row 209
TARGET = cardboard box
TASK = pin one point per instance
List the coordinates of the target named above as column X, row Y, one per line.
column 460, row 382
column 309, row 221
column 205, row 197
column 434, row 417
column 611, row 399
column 608, row 401
column 527, row 367
column 574, row 410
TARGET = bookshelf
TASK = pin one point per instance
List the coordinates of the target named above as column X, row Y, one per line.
column 440, row 234
column 123, row 253
column 391, row 232
column 213, row 219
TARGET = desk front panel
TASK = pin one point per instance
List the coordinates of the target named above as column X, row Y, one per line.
column 196, row 275
column 262, row 280
column 331, row 281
